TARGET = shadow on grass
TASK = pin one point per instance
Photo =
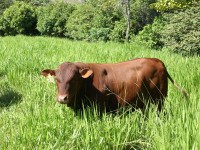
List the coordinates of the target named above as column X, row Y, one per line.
column 9, row 97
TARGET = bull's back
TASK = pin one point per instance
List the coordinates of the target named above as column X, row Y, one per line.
column 134, row 69
column 127, row 80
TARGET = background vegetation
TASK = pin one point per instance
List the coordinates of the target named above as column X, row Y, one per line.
column 20, row 18
column 53, row 18
column 177, row 31
column 157, row 23
column 31, row 119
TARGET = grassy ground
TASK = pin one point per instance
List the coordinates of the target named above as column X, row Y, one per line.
column 31, row 119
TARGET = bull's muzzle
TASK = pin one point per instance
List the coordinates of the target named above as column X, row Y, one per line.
column 62, row 99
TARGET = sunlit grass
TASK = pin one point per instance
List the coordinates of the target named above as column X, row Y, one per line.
column 31, row 119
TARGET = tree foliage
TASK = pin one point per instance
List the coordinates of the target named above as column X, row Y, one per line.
column 36, row 2
column 53, row 18
column 141, row 14
column 166, row 5
column 7, row 3
column 4, row 4
column 118, row 34
column 151, row 34
column 20, row 18
column 182, row 32
column 93, row 21
column 178, row 31
column 82, row 21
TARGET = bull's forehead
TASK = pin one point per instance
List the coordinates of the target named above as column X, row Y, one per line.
column 66, row 71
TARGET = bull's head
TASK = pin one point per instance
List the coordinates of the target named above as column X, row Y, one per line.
column 69, row 78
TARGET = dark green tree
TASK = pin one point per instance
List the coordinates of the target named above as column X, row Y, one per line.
column 4, row 4
column 53, row 18
column 20, row 18
column 181, row 33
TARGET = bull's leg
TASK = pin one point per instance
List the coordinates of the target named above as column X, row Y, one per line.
column 160, row 104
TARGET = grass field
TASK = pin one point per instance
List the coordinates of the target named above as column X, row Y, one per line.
column 31, row 119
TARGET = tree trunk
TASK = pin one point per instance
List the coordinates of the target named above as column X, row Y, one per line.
column 127, row 20
column 126, row 11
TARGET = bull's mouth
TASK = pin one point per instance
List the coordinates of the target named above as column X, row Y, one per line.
column 63, row 101
column 66, row 102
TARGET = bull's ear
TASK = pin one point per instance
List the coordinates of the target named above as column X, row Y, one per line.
column 85, row 73
column 48, row 72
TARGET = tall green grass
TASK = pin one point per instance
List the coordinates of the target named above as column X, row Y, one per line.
column 31, row 119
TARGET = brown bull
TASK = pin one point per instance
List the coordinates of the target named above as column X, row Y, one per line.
column 109, row 86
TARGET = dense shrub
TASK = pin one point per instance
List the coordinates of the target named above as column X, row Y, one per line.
column 101, row 34
column 151, row 34
column 168, row 5
column 111, row 15
column 111, row 12
column 94, row 21
column 81, row 21
column 53, row 18
column 19, row 18
column 1, row 30
column 113, row 19
column 37, row 2
column 141, row 15
column 182, row 32
column 4, row 4
column 119, row 31
column 178, row 31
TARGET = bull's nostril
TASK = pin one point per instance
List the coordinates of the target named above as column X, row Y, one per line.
column 66, row 98
column 62, row 98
